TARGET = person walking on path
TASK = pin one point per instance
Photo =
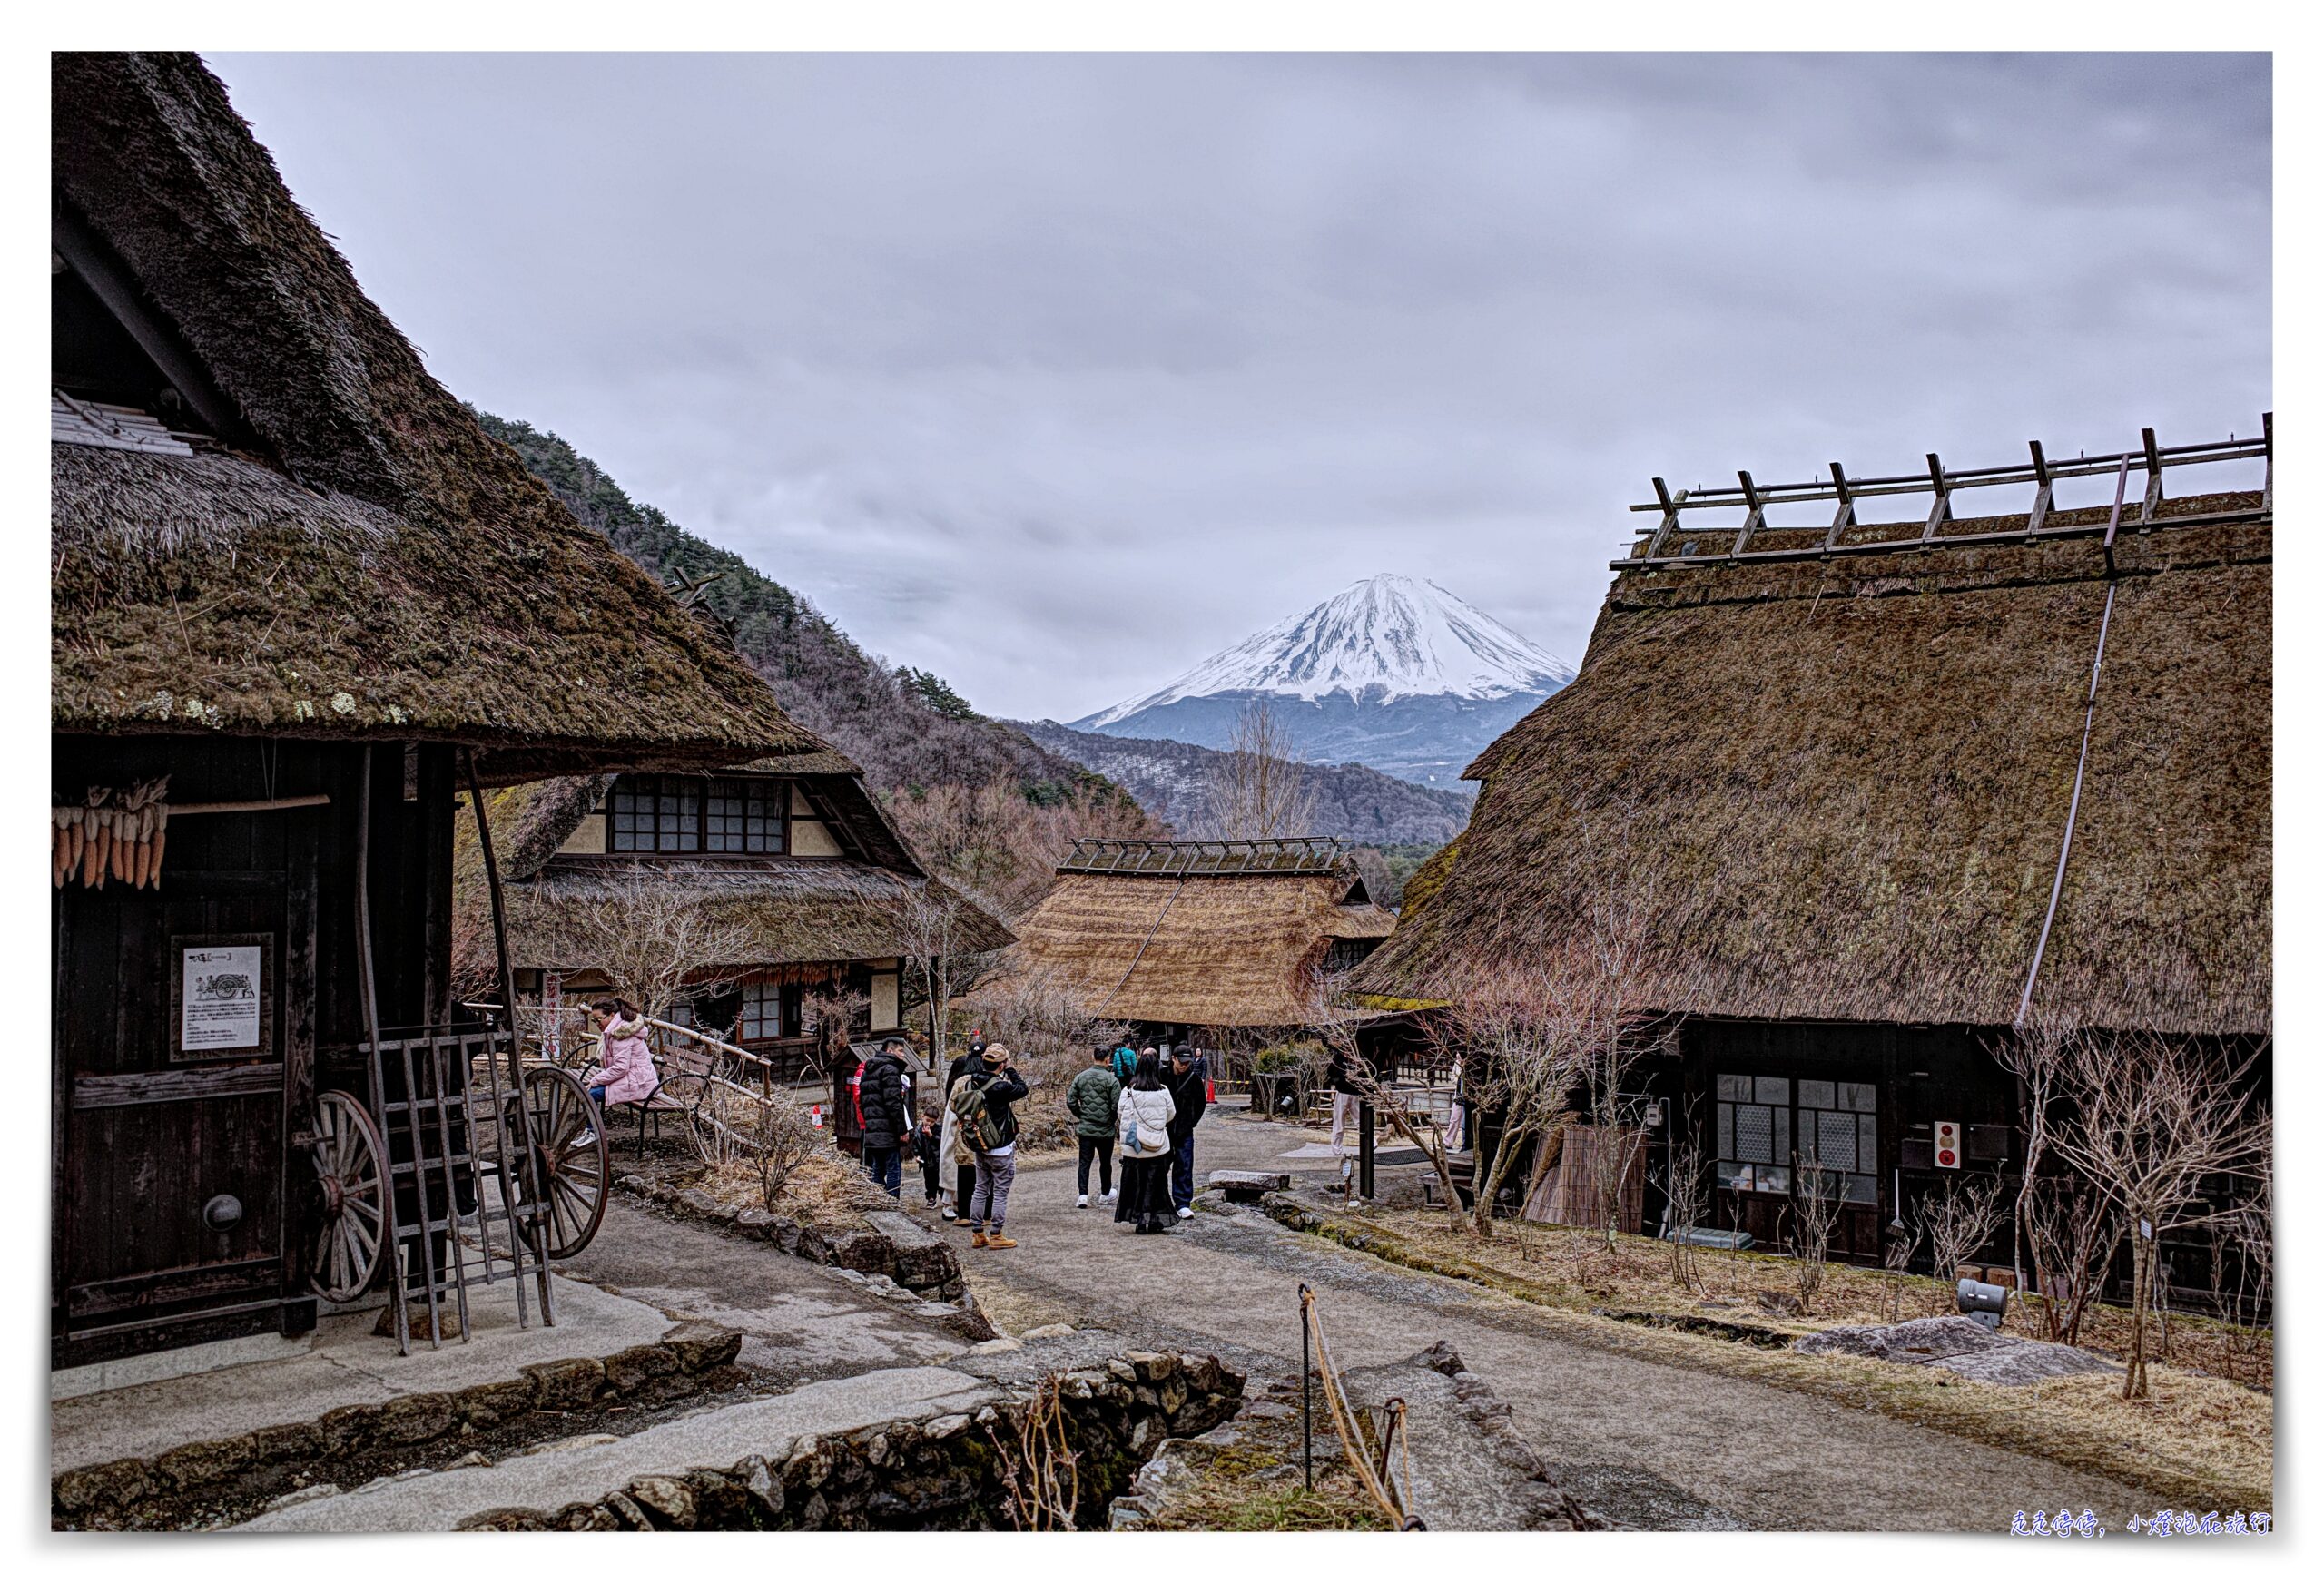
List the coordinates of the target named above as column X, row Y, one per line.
column 1143, row 1120
column 884, row 1098
column 983, row 1103
column 1188, row 1083
column 958, row 1179
column 1345, row 1096
column 624, row 1073
column 1091, row 1101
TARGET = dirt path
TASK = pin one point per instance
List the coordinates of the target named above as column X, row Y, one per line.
column 1646, row 1443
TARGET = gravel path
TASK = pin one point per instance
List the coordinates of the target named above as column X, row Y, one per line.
column 1647, row 1444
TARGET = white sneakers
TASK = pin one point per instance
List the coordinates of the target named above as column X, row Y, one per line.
column 1186, row 1214
column 948, row 1215
column 588, row 1136
column 1083, row 1202
column 1108, row 1198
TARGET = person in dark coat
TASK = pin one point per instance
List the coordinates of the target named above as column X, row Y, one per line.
column 886, row 1115
column 1001, row 1086
column 928, row 1148
column 1187, row 1081
column 1347, row 1094
column 1090, row 1101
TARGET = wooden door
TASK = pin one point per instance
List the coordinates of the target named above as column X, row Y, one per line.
column 184, row 1028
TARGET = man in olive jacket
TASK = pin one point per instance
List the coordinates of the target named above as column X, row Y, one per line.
column 886, row 1115
column 1091, row 1102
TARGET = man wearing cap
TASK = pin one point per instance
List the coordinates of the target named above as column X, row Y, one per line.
column 1187, row 1080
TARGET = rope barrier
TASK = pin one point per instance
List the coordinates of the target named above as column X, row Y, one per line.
column 1370, row 1471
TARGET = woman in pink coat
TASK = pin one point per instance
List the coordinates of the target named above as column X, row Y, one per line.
column 624, row 1073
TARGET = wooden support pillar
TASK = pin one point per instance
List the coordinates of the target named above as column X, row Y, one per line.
column 1657, row 546
column 2268, row 489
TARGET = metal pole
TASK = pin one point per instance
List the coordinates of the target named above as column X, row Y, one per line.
column 1306, row 1398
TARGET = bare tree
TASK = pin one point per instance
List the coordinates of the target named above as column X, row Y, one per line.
column 1958, row 1219
column 2153, row 1122
column 1815, row 1197
column 1335, row 1022
column 1259, row 787
column 2071, row 1232
column 1687, row 1195
column 942, row 960
column 1896, row 1259
column 656, row 942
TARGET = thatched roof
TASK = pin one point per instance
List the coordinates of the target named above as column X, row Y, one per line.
column 366, row 562
column 796, row 909
column 1212, row 950
column 1836, row 790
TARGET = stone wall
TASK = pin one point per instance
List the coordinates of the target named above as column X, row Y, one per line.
column 691, row 1358
column 943, row 1472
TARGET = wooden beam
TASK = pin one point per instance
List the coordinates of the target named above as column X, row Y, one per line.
column 2267, row 488
column 1845, row 519
column 1656, row 545
column 1752, row 523
column 93, row 261
column 1941, row 512
column 2154, row 500
column 2042, row 489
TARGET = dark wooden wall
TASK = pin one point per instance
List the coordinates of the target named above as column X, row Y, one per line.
column 141, row 1141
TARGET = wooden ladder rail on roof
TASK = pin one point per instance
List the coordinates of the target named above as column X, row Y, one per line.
column 1297, row 854
column 1942, row 483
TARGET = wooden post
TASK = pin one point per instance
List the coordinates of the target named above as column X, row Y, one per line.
column 2041, row 493
column 2153, row 501
column 1755, row 520
column 1845, row 519
column 2267, row 488
column 1941, row 512
column 1669, row 525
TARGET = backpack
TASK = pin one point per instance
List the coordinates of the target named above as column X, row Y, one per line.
column 1125, row 1067
column 978, row 1125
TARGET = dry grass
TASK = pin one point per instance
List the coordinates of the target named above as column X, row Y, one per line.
column 2200, row 1440
column 824, row 1188
column 1575, row 1269
column 1253, row 1487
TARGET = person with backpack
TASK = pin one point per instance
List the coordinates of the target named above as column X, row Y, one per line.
column 1125, row 1065
column 1091, row 1102
column 955, row 1189
column 1142, row 1120
column 883, row 1110
column 1189, row 1085
column 988, row 1125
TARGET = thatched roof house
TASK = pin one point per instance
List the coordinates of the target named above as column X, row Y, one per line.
column 315, row 539
column 294, row 589
column 1200, row 934
column 1826, row 784
column 789, row 853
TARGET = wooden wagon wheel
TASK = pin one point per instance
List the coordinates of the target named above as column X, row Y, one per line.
column 351, row 1169
column 573, row 1174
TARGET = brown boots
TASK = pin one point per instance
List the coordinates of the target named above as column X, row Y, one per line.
column 999, row 1239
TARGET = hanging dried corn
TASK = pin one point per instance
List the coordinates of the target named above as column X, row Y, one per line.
column 111, row 836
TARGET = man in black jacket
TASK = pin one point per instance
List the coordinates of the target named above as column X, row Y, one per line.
column 886, row 1115
column 992, row 1138
column 1188, row 1082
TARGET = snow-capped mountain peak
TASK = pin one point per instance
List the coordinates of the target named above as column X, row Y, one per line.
column 1386, row 638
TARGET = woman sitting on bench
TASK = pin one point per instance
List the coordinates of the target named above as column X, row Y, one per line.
column 624, row 1073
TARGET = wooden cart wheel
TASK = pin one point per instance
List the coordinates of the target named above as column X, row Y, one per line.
column 573, row 1174
column 349, row 1166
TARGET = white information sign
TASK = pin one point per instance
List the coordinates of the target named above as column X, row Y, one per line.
column 220, row 1004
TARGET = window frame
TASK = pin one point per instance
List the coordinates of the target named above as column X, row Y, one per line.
column 1793, row 1130
column 682, row 816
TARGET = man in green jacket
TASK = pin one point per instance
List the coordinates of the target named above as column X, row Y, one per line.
column 1090, row 1101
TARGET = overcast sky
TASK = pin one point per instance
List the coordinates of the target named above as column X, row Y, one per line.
column 1055, row 374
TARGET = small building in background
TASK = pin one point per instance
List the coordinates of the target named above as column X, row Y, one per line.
column 1194, row 940
column 790, row 856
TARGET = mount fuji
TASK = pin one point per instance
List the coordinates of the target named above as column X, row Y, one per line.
column 1394, row 672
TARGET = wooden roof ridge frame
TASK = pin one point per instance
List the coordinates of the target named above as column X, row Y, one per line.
column 1294, row 855
column 1942, row 483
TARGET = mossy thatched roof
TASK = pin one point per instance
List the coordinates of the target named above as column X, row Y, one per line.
column 1836, row 790
column 1211, row 950
column 376, row 566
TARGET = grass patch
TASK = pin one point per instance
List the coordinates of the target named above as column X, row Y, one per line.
column 1253, row 1487
column 2200, row 1441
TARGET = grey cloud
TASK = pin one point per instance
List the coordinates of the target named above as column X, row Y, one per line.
column 1053, row 374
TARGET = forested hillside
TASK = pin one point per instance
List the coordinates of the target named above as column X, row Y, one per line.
column 985, row 804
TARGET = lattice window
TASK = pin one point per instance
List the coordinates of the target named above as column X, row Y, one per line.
column 1762, row 1120
column 655, row 813
column 762, row 1011
column 744, row 816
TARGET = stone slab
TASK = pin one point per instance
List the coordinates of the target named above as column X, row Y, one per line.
column 148, row 1368
column 715, row 1438
column 1961, row 1345
column 345, row 1366
column 1471, row 1472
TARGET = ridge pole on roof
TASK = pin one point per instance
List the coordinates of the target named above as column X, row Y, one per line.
column 1669, row 525
column 1757, row 518
column 1941, row 512
column 2154, row 500
column 2042, row 494
column 2267, row 488
column 1845, row 519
